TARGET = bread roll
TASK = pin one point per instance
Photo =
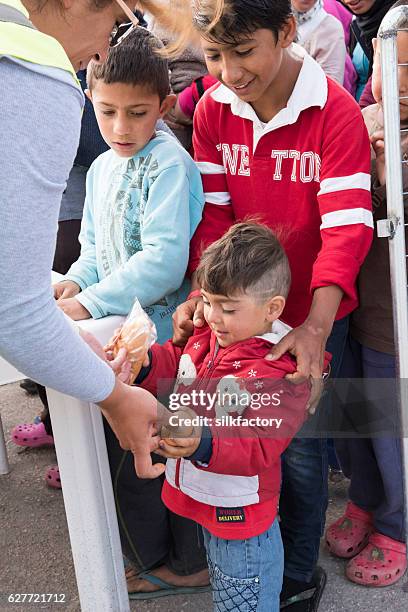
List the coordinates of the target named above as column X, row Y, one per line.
column 134, row 336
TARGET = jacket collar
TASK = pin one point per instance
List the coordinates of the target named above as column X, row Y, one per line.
column 279, row 331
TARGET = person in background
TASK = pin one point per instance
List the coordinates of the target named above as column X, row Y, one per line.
column 368, row 16
column 335, row 8
column 185, row 68
column 144, row 196
column 183, row 111
column 371, row 532
column 322, row 36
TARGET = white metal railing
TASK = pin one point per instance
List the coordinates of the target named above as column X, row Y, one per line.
column 88, row 495
column 87, row 490
column 394, row 227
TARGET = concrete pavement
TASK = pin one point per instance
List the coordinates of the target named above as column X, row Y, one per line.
column 35, row 553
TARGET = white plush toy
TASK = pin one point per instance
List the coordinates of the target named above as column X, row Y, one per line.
column 187, row 372
column 232, row 396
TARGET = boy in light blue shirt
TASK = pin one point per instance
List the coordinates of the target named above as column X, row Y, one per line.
column 144, row 196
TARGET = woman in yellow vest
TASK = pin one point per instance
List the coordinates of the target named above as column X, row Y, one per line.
column 42, row 44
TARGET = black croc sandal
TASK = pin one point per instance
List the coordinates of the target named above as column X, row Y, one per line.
column 307, row 601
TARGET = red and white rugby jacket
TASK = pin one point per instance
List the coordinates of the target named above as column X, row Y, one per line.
column 306, row 174
column 236, row 495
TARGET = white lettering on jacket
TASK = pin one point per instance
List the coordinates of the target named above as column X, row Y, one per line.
column 286, row 163
column 304, row 167
column 230, row 160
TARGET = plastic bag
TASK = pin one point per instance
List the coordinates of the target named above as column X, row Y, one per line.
column 136, row 335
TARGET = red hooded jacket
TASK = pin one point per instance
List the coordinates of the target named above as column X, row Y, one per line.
column 252, row 413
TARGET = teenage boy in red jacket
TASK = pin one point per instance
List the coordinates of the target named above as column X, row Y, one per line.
column 226, row 475
column 279, row 139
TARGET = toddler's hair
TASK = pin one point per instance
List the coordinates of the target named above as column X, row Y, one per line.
column 135, row 61
column 248, row 258
column 228, row 21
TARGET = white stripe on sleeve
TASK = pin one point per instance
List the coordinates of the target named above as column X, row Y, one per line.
column 221, row 198
column 210, row 168
column 351, row 216
column 361, row 180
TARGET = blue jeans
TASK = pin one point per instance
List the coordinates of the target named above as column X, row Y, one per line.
column 374, row 464
column 304, row 494
column 246, row 575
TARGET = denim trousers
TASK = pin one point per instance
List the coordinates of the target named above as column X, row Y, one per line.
column 246, row 575
column 304, row 493
column 374, row 464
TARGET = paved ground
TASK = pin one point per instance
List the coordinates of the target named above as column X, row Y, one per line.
column 34, row 545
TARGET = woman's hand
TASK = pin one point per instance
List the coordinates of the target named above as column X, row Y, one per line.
column 135, row 416
column 119, row 364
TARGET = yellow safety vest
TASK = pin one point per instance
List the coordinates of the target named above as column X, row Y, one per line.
column 20, row 39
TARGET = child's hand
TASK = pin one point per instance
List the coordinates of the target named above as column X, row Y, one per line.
column 73, row 309
column 66, row 289
column 377, row 142
column 180, row 438
column 173, row 448
column 176, row 115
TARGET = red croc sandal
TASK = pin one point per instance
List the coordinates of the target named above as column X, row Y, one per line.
column 382, row 562
column 52, row 477
column 349, row 534
column 32, row 435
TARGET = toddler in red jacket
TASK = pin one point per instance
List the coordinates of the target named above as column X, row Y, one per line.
column 241, row 413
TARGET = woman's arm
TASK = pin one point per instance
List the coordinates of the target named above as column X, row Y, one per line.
column 39, row 136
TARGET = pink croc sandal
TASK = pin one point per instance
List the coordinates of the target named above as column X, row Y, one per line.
column 349, row 534
column 52, row 477
column 32, row 435
column 382, row 562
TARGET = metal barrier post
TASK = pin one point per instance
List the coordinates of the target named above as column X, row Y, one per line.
column 4, row 464
column 395, row 230
column 8, row 374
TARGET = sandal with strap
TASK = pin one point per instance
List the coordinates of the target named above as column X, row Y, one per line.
column 32, row 435
column 52, row 477
column 382, row 562
column 349, row 534
column 165, row 589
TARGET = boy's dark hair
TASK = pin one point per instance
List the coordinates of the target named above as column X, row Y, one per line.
column 134, row 61
column 228, row 21
column 247, row 258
